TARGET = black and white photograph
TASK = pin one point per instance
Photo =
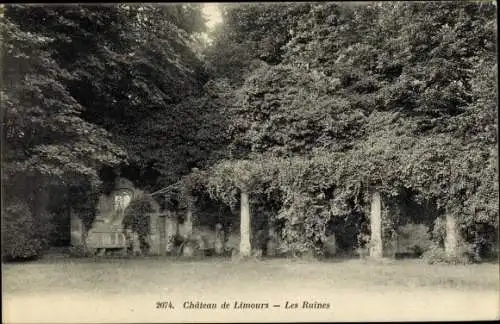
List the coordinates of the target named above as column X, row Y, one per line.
column 190, row 162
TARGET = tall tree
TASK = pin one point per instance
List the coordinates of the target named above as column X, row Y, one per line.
column 44, row 131
column 44, row 137
column 130, row 65
column 251, row 33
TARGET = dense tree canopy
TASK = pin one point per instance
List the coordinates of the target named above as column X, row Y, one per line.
column 393, row 88
column 251, row 32
column 310, row 107
column 126, row 65
column 44, row 130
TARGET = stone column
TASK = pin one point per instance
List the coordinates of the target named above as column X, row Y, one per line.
column 77, row 230
column 170, row 231
column 451, row 238
column 219, row 240
column 188, row 222
column 245, row 247
column 376, row 244
column 154, row 235
column 331, row 245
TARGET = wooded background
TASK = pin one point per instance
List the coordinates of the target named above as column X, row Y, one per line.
column 309, row 108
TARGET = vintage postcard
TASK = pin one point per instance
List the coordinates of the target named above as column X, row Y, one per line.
column 249, row 162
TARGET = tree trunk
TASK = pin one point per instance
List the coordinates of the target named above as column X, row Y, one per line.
column 245, row 249
column 451, row 238
column 376, row 244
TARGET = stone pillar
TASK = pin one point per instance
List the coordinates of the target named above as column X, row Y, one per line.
column 245, row 247
column 330, row 245
column 219, row 240
column 77, row 230
column 376, row 244
column 154, row 235
column 451, row 238
column 170, row 232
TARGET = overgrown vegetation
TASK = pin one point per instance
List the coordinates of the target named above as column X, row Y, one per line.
column 307, row 108
column 22, row 238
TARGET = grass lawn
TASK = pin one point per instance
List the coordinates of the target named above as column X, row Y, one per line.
column 124, row 290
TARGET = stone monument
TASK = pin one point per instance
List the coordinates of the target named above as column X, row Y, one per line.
column 107, row 230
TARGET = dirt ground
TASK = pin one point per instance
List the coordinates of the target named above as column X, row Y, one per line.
column 128, row 290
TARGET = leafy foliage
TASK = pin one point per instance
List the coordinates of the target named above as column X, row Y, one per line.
column 128, row 66
column 22, row 236
column 251, row 33
column 287, row 111
column 136, row 214
column 437, row 255
column 45, row 132
column 414, row 238
column 309, row 107
column 375, row 96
